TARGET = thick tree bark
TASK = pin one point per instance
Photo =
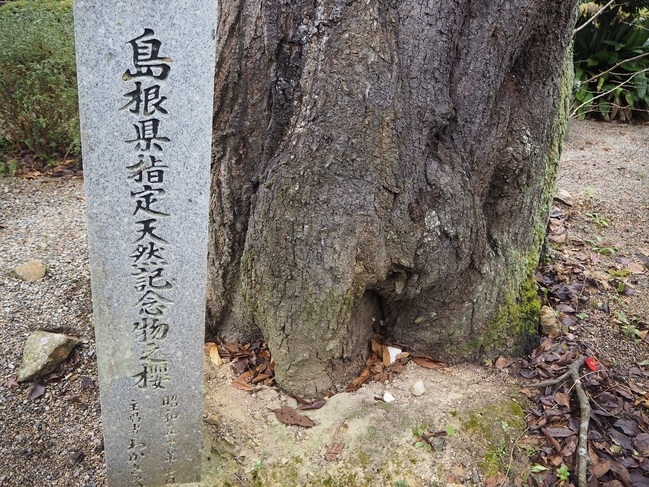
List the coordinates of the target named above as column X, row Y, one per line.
column 382, row 159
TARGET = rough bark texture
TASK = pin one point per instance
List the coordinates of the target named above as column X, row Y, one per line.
column 382, row 159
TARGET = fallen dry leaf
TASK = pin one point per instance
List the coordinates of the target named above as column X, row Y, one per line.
column 600, row 469
column 36, row 390
column 562, row 398
column 501, row 362
column 427, row 362
column 260, row 378
column 317, row 404
column 385, row 354
column 569, row 447
column 358, row 381
column 334, row 452
column 641, row 443
column 11, row 382
column 555, row 444
column 242, row 386
column 559, row 432
column 496, row 481
column 214, row 356
column 377, row 344
column 288, row 415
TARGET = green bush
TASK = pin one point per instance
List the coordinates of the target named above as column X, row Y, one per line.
column 38, row 87
column 611, row 58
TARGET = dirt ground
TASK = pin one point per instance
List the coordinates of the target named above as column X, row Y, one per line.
column 474, row 414
column 360, row 440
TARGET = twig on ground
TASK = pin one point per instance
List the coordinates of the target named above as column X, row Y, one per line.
column 552, row 382
column 584, row 406
column 584, row 409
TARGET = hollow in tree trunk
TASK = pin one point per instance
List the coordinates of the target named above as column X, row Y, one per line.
column 383, row 160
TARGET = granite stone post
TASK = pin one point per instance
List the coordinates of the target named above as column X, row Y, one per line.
column 145, row 75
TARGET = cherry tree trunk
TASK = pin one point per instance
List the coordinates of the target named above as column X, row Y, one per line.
column 383, row 161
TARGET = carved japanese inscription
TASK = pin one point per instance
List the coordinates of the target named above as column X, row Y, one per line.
column 145, row 74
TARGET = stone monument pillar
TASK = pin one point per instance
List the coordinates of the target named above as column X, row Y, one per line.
column 146, row 74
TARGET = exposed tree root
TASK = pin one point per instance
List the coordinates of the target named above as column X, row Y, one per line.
column 584, row 406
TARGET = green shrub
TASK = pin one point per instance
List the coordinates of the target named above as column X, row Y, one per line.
column 38, row 87
column 611, row 58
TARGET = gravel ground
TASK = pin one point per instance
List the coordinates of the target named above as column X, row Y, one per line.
column 55, row 439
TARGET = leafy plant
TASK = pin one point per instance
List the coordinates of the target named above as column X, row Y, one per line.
column 621, row 317
column 421, row 442
column 611, row 58
column 536, row 468
column 598, row 219
column 38, row 89
column 563, row 473
column 632, row 332
column 602, row 247
column 8, row 168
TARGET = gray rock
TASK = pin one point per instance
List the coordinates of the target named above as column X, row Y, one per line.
column 550, row 325
column 30, row 271
column 475, row 476
column 417, row 389
column 43, row 353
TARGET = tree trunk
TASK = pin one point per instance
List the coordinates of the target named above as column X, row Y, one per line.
column 386, row 160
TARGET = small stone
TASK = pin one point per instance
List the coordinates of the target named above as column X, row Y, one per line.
column 475, row 476
column 30, row 271
column 438, row 443
column 417, row 389
column 550, row 325
column 43, row 353
column 565, row 197
column 213, row 419
column 387, row 397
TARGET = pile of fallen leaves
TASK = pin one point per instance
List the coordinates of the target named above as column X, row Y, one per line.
column 618, row 434
column 252, row 362
column 583, row 284
column 386, row 360
column 254, row 366
column 28, row 166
